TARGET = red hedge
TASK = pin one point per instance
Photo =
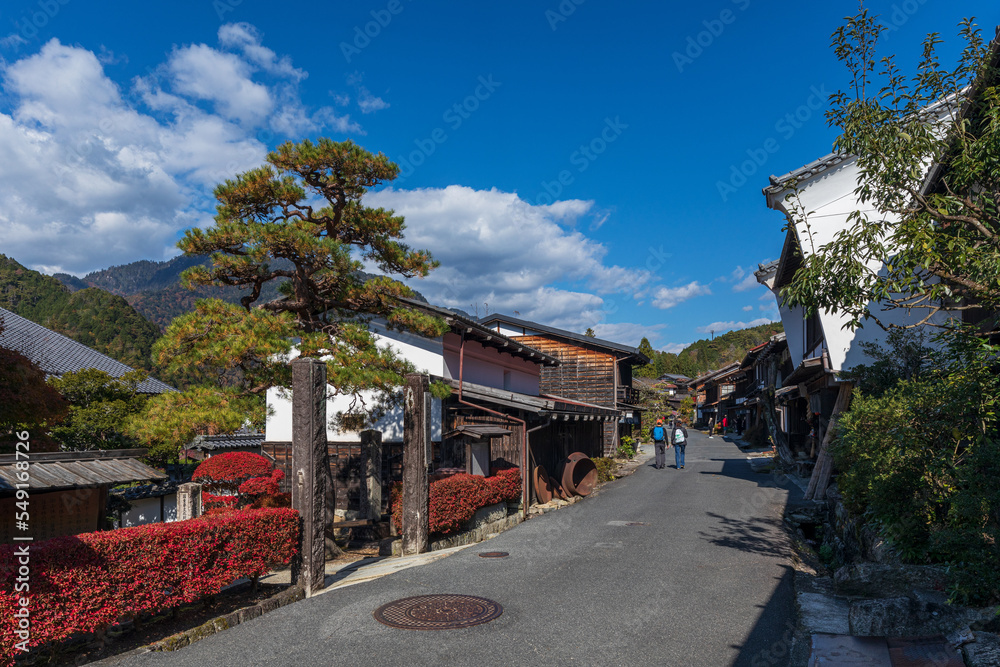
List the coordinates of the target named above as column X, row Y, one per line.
column 85, row 583
column 454, row 500
column 227, row 471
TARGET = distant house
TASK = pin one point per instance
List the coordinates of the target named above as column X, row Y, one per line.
column 714, row 391
column 590, row 369
column 55, row 354
column 498, row 413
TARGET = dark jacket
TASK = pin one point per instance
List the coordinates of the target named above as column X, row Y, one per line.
column 671, row 434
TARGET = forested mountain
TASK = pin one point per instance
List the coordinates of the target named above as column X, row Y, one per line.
column 102, row 321
column 708, row 354
column 154, row 288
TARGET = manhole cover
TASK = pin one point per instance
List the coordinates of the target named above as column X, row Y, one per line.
column 438, row 612
column 494, row 554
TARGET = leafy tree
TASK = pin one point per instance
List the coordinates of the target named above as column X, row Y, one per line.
column 100, row 407
column 920, row 461
column 647, row 370
column 928, row 150
column 590, row 333
column 27, row 403
column 270, row 214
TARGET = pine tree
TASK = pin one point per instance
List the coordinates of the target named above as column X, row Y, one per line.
column 268, row 214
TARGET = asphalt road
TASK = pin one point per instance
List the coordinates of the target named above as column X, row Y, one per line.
column 705, row 582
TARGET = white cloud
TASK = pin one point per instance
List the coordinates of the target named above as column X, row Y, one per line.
column 203, row 73
column 674, row 348
column 90, row 177
column 748, row 283
column 668, row 297
column 723, row 327
column 766, row 296
column 247, row 39
column 369, row 103
column 498, row 249
column 747, row 309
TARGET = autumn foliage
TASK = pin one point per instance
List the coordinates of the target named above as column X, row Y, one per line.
column 87, row 583
column 454, row 500
column 236, row 478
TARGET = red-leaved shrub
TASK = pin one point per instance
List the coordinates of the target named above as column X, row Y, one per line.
column 85, row 583
column 236, row 479
column 454, row 500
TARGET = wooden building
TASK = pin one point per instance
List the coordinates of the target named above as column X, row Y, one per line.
column 590, row 370
column 67, row 491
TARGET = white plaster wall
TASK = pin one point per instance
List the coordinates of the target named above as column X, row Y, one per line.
column 829, row 199
column 486, row 366
column 147, row 510
column 424, row 353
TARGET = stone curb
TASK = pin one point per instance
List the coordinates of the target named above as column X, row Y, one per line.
column 220, row 623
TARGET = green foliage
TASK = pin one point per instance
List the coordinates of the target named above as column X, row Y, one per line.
column 906, row 359
column 440, row 390
column 922, row 461
column 606, row 468
column 705, row 355
column 172, row 420
column 627, row 449
column 100, row 407
column 938, row 248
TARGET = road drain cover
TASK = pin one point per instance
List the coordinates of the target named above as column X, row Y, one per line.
column 494, row 554
column 438, row 612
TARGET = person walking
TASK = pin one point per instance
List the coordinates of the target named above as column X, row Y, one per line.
column 660, row 445
column 678, row 439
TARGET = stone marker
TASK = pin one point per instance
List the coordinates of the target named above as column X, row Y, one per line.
column 371, row 494
column 188, row 501
column 309, row 469
column 416, row 488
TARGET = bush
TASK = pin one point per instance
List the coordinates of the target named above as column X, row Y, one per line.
column 756, row 435
column 236, row 479
column 921, row 463
column 455, row 499
column 605, row 469
column 86, row 583
column 627, row 449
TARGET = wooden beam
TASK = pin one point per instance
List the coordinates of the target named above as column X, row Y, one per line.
column 416, row 488
column 820, row 478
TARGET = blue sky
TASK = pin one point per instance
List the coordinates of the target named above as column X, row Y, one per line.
column 571, row 161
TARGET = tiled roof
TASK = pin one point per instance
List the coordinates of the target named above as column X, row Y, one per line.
column 228, row 441
column 780, row 183
column 56, row 354
column 67, row 470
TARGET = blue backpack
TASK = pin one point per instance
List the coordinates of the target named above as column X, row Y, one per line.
column 658, row 434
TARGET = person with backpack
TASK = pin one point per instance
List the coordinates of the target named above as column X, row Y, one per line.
column 678, row 439
column 660, row 445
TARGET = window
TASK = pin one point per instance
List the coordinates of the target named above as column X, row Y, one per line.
column 506, row 381
column 814, row 332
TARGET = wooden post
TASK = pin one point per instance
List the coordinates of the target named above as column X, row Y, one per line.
column 371, row 494
column 820, row 478
column 309, row 468
column 416, row 489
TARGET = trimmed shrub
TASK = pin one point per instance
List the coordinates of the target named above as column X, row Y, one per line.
column 236, row 479
column 455, row 499
column 605, row 469
column 86, row 583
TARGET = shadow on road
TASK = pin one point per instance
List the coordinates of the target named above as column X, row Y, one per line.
column 758, row 535
column 770, row 642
